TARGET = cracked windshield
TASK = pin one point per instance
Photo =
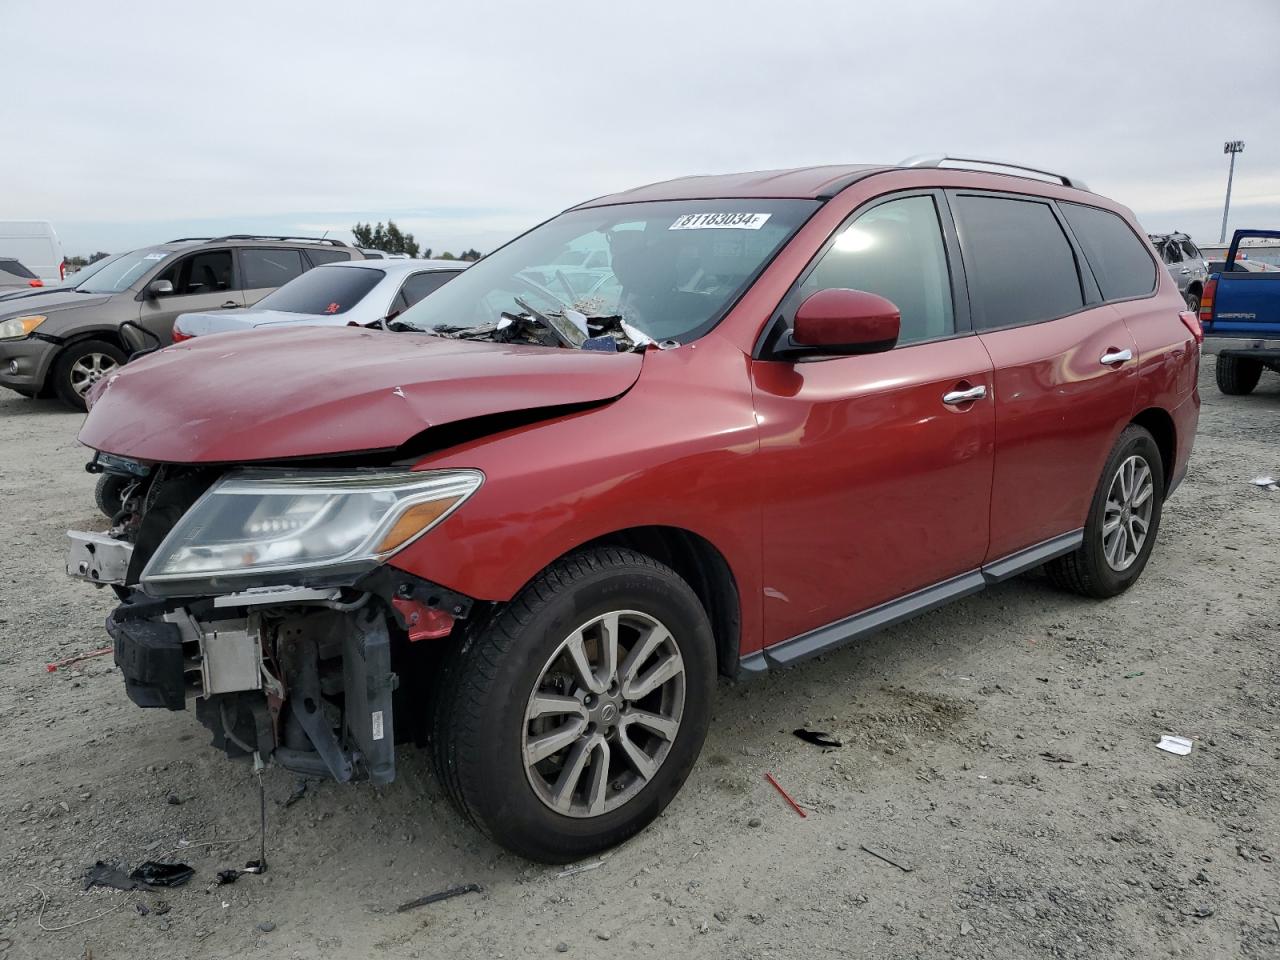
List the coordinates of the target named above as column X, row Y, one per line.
column 614, row 278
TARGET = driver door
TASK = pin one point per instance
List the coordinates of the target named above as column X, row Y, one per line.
column 201, row 281
column 877, row 478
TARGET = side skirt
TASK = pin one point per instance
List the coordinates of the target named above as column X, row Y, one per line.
column 822, row 639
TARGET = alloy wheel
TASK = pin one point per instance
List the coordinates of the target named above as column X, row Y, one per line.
column 603, row 714
column 89, row 369
column 1126, row 517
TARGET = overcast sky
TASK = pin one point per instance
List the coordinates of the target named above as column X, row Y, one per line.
column 132, row 123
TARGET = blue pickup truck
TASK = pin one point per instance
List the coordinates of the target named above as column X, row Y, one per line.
column 1240, row 313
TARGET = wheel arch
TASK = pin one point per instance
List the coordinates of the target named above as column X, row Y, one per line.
column 1159, row 424
column 701, row 565
column 109, row 335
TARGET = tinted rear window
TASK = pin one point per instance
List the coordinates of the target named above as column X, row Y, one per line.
column 269, row 268
column 324, row 290
column 1119, row 261
column 1018, row 262
column 16, row 269
column 318, row 257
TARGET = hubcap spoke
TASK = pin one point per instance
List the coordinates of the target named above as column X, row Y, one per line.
column 555, row 741
column 658, row 675
column 642, row 651
column 545, row 704
column 641, row 761
column 576, row 648
column 664, row 727
column 608, row 650
column 598, row 791
column 567, row 783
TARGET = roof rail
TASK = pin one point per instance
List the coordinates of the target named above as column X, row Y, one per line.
column 187, row 239
column 937, row 160
column 257, row 236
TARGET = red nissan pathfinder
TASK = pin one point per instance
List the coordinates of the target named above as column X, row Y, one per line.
column 713, row 426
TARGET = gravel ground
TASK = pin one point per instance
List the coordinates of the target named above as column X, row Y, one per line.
column 1003, row 749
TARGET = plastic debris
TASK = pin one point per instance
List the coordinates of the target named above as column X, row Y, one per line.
column 786, row 796
column 155, row 874
column 442, row 895
column 580, row 868
column 1057, row 757
column 1176, row 745
column 819, row 738
column 881, row 855
column 299, row 791
column 1267, row 483
column 70, row 661
column 108, row 875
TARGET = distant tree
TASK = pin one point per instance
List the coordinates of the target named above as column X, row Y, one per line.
column 470, row 255
column 389, row 238
column 76, row 263
column 101, row 254
column 445, row 256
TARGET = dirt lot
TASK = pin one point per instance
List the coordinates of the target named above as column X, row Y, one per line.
column 1003, row 749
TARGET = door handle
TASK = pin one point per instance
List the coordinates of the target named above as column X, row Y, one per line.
column 1185, row 270
column 230, row 305
column 1116, row 357
column 956, row 397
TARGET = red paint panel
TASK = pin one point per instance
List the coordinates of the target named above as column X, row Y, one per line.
column 268, row 394
column 872, row 486
column 1058, row 411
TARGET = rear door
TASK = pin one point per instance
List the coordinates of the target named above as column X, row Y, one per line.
column 1065, row 364
column 876, row 477
column 205, row 280
column 263, row 269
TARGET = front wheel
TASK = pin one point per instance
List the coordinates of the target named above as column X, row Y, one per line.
column 80, row 366
column 567, row 723
column 1124, row 518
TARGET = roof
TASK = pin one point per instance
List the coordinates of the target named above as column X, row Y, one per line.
column 400, row 265
column 803, row 183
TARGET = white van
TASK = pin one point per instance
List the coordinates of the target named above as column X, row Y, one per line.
column 36, row 246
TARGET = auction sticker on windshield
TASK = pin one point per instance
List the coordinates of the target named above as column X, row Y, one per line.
column 720, row 221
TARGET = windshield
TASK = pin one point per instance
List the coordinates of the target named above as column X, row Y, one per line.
column 669, row 270
column 88, row 270
column 120, row 274
column 323, row 290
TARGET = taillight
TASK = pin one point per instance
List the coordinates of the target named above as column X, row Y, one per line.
column 179, row 334
column 35, row 283
column 62, row 270
column 1192, row 323
column 1206, row 303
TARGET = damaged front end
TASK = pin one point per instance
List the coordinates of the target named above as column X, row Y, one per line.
column 264, row 596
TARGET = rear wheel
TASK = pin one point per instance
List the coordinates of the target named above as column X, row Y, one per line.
column 82, row 365
column 1193, row 301
column 1237, row 376
column 572, row 718
column 1124, row 518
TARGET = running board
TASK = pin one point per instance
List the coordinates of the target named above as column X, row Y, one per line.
column 836, row 634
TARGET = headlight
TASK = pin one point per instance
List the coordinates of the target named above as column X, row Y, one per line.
column 15, row 328
column 260, row 526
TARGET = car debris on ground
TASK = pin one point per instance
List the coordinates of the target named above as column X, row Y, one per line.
column 1181, row 746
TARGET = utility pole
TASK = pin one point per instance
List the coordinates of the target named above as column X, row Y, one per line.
column 1232, row 147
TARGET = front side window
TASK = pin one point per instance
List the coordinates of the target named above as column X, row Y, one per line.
column 269, row 268
column 894, row 250
column 325, row 291
column 205, row 272
column 1019, row 264
column 1119, row 261
column 670, row 269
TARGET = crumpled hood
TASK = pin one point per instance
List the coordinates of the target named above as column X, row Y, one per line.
column 307, row 392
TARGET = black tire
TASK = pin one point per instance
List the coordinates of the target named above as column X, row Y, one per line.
column 1237, row 376
column 1193, row 301
column 479, row 724
column 1086, row 571
column 67, row 377
column 109, row 493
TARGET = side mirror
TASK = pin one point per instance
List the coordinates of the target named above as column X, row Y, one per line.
column 842, row 323
column 159, row 288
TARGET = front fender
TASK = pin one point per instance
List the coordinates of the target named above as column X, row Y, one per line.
column 675, row 451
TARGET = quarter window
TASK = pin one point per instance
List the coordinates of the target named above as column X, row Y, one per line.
column 1119, row 261
column 894, row 250
column 269, row 268
column 1018, row 262
column 421, row 284
column 327, row 255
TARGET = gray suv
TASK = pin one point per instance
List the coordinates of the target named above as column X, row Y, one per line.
column 63, row 343
column 1185, row 263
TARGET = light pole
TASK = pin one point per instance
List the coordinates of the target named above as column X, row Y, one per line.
column 1232, row 147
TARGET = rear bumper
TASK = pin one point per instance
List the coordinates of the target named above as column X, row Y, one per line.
column 24, row 364
column 1213, row 344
